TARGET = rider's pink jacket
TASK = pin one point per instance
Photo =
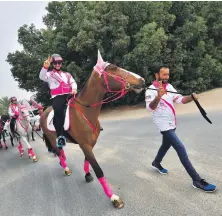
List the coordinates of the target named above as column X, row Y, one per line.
column 59, row 82
column 13, row 110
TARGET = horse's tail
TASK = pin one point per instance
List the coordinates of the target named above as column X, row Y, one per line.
column 47, row 142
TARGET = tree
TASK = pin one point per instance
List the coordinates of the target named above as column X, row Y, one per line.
column 135, row 35
column 4, row 105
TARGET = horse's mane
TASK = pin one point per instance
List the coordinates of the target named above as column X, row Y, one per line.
column 111, row 67
column 84, row 83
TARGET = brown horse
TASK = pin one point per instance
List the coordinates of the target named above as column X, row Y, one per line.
column 84, row 111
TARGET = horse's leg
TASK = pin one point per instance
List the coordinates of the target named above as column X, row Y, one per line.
column 11, row 139
column 117, row 202
column 20, row 148
column 61, row 154
column 6, row 147
column 30, row 150
column 0, row 140
column 88, row 175
column 33, row 138
column 48, row 144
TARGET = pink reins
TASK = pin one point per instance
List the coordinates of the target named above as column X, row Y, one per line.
column 120, row 93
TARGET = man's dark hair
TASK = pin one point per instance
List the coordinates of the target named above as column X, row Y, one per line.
column 157, row 69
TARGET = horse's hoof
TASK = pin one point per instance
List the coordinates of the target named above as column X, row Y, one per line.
column 117, row 202
column 0, row 147
column 68, row 172
column 35, row 159
column 6, row 147
column 88, row 178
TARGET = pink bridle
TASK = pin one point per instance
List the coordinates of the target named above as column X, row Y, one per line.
column 125, row 88
column 119, row 93
column 19, row 119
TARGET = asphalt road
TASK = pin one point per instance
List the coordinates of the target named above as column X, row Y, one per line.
column 125, row 151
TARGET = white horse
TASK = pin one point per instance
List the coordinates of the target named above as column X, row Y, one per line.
column 35, row 122
column 23, row 131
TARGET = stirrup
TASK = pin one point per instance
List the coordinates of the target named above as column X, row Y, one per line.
column 61, row 141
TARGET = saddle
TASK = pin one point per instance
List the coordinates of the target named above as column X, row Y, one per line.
column 50, row 117
column 66, row 125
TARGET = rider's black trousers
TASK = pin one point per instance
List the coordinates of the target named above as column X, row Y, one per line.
column 59, row 104
column 12, row 125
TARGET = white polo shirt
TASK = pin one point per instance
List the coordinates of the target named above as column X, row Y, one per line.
column 164, row 116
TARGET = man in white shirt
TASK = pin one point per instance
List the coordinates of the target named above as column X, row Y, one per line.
column 161, row 104
column 61, row 85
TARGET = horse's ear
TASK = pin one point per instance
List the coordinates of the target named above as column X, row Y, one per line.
column 99, row 59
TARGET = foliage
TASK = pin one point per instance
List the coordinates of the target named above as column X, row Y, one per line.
column 4, row 105
column 135, row 35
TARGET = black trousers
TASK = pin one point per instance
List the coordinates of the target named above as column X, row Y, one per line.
column 12, row 125
column 2, row 135
column 59, row 104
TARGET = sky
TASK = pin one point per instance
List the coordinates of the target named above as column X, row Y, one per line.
column 12, row 16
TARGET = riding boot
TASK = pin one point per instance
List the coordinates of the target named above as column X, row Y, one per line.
column 61, row 141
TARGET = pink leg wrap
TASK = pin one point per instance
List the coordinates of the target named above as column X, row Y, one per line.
column 63, row 162
column 106, row 187
column 63, row 154
column 20, row 148
column 86, row 166
column 31, row 152
column 0, row 144
column 20, row 144
column 5, row 144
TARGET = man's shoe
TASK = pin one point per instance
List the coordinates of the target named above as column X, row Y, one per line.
column 203, row 185
column 159, row 168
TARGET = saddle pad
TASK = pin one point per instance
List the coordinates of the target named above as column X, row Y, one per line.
column 50, row 125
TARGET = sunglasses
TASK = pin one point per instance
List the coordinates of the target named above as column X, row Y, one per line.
column 57, row 62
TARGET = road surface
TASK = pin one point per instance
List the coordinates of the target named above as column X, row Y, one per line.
column 125, row 151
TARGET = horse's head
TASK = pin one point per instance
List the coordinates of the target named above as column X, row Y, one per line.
column 117, row 79
column 24, row 113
